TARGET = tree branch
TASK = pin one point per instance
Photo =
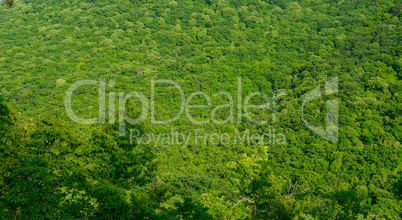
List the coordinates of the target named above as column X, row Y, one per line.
column 93, row 213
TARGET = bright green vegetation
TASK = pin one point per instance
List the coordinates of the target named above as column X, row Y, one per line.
column 53, row 168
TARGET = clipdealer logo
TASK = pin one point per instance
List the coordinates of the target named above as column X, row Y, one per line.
column 330, row 132
column 237, row 114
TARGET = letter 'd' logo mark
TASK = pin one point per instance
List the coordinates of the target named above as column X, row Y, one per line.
column 330, row 132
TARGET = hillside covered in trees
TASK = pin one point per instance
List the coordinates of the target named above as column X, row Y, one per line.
column 52, row 167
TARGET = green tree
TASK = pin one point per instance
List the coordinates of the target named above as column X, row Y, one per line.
column 257, row 188
column 57, row 175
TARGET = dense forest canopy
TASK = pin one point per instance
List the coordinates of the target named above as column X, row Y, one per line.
column 54, row 168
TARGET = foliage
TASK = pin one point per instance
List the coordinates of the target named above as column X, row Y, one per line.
column 51, row 167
